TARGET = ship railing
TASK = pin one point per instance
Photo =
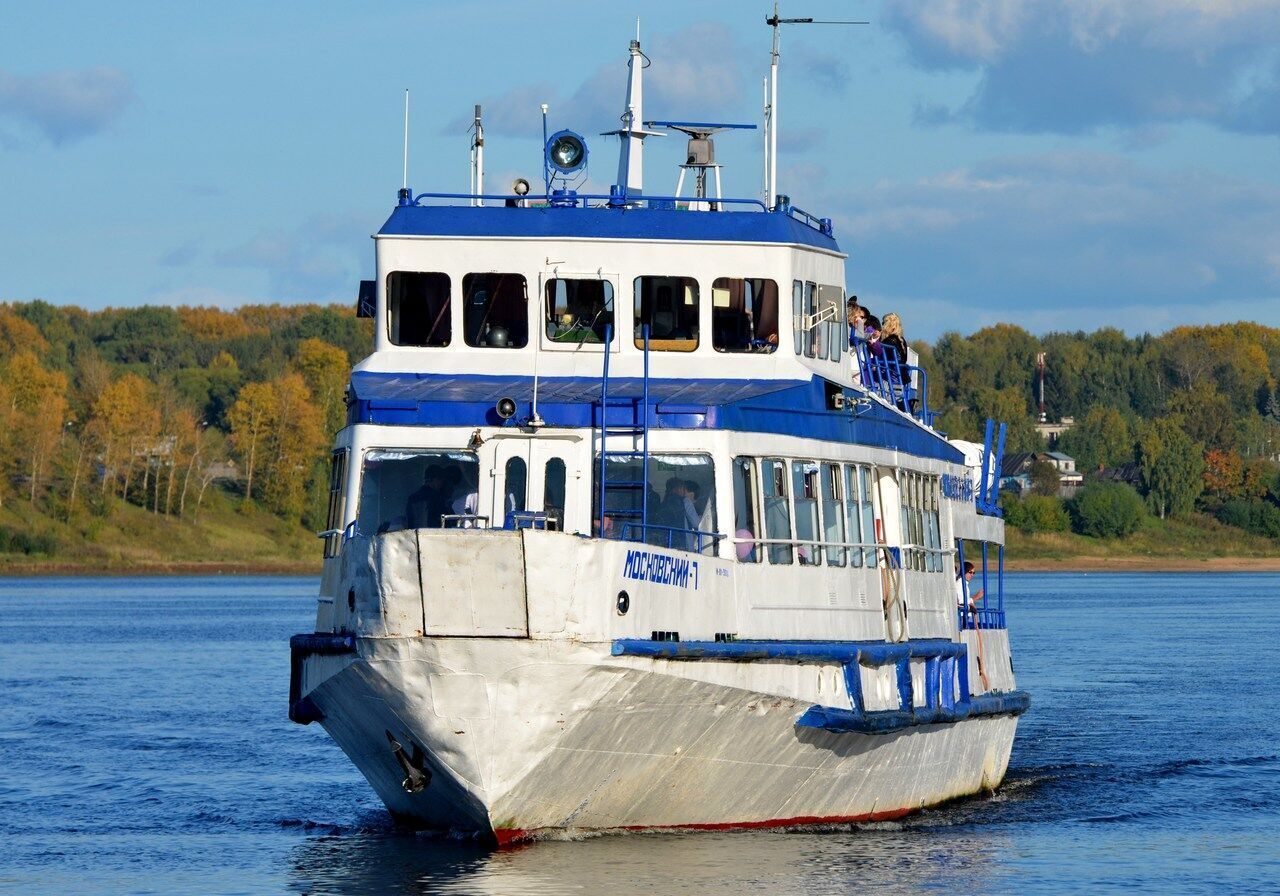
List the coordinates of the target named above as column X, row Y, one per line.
column 573, row 199
column 981, row 617
column 810, row 551
column 905, row 386
column 672, row 537
column 529, row 519
column 464, row 521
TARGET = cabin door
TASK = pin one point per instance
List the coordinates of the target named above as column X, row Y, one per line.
column 537, row 475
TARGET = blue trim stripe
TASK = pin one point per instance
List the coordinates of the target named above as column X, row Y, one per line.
column 780, row 407
column 603, row 223
column 868, row 653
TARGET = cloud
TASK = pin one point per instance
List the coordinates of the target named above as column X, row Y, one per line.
column 694, row 73
column 68, row 105
column 179, row 256
column 1053, row 67
column 320, row 260
column 1068, row 239
column 826, row 70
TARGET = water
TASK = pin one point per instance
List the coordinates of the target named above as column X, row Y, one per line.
column 144, row 749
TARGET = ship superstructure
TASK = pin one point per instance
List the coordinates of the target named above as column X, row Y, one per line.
column 623, row 533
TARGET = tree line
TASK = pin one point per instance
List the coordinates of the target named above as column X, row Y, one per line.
column 1191, row 417
column 155, row 406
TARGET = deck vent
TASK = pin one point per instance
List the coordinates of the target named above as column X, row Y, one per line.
column 725, row 637
column 664, row 636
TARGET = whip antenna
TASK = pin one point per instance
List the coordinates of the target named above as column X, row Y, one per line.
column 771, row 106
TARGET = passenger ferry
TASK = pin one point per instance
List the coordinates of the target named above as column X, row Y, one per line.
column 624, row 535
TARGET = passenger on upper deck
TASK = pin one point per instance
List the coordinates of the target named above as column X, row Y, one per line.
column 965, row 600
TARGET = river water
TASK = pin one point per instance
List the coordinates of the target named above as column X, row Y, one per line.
column 144, row 749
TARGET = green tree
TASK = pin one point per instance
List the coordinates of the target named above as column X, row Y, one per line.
column 1106, row 510
column 1101, row 439
column 324, row 367
column 1171, row 466
column 1045, row 480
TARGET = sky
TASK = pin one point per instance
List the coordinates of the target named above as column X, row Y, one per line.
column 1058, row 165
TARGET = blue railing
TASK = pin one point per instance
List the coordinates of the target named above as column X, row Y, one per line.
column 672, row 537
column 981, row 617
column 571, row 199
column 988, row 496
column 893, row 380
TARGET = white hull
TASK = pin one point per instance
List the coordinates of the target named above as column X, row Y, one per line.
column 523, row 737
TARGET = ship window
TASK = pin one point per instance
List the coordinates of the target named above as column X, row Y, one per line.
column 804, row 482
column 517, row 479
column 337, row 494
column 669, row 305
column 681, row 501
column 418, row 308
column 833, row 513
column 744, row 315
column 777, row 510
column 578, row 310
column 553, row 484
column 813, row 335
column 746, row 530
column 413, row 489
column 933, row 530
column 836, row 327
column 495, row 310
column 865, row 478
column 797, row 315
column 853, row 516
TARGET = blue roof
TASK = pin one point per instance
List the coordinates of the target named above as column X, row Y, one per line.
column 785, row 407
column 604, row 223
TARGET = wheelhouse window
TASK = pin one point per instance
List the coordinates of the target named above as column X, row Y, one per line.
column 837, row 333
column 797, row 315
column 495, row 311
column 744, row 315
column 418, row 312
column 669, row 305
column 416, row 489
column 578, row 311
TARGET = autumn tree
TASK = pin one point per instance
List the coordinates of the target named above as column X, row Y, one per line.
column 253, row 412
column 1223, row 474
column 325, row 368
column 292, row 440
column 39, row 403
column 125, row 421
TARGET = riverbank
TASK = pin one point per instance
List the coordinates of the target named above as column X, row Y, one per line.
column 229, row 538
column 233, row 539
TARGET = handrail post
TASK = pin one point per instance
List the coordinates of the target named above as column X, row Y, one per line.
column 604, row 418
column 996, row 465
column 644, row 427
column 986, row 465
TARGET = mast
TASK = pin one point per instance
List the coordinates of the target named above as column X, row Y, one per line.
column 772, row 198
column 631, row 135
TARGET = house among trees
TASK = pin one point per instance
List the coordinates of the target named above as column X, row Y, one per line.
column 1041, row 472
column 1051, row 431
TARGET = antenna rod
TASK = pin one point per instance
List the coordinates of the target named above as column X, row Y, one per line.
column 546, row 169
column 477, row 160
column 404, row 183
column 771, row 161
column 772, row 199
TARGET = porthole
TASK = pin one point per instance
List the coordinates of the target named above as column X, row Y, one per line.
column 624, row 603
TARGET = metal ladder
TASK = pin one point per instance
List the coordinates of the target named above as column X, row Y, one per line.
column 636, row 425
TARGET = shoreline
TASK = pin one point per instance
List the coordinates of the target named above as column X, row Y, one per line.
column 54, row 569
column 1085, row 564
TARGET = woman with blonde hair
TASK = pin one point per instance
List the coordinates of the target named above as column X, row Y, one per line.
column 891, row 337
column 891, row 349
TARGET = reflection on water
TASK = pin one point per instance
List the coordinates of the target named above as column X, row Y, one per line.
column 883, row 858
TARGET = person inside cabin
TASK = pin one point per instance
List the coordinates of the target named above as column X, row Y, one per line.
column 965, row 599
column 679, row 513
column 426, row 505
column 465, row 501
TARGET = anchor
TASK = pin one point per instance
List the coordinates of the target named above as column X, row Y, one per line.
column 416, row 776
